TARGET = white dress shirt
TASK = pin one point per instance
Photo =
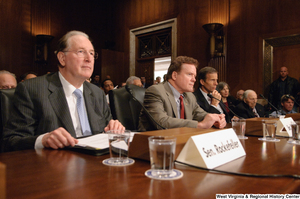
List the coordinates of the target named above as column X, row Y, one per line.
column 176, row 97
column 71, row 100
column 208, row 99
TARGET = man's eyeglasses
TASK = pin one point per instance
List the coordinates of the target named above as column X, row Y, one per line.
column 84, row 53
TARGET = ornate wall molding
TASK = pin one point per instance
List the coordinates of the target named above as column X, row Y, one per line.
column 171, row 23
column 268, row 45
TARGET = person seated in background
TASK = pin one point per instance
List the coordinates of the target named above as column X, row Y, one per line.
column 106, row 86
column 144, row 83
column 227, row 99
column 287, row 105
column 28, row 75
column 96, row 80
column 7, row 80
column 165, row 78
column 134, row 80
column 157, row 80
column 208, row 78
column 249, row 108
column 172, row 104
column 52, row 110
column 239, row 97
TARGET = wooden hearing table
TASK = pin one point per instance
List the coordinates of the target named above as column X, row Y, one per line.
column 66, row 174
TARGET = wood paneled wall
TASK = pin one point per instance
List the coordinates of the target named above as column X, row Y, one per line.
column 22, row 20
column 246, row 23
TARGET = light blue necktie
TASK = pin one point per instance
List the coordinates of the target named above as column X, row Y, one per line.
column 84, row 122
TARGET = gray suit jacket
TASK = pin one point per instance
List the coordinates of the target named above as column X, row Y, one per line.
column 40, row 106
column 160, row 103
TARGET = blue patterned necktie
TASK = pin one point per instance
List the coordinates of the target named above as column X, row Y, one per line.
column 84, row 122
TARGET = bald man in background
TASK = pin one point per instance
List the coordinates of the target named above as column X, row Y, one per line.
column 7, row 80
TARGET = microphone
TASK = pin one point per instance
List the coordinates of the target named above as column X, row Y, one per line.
column 129, row 90
column 210, row 95
column 269, row 103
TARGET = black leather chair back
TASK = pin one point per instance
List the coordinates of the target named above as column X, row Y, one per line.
column 124, row 108
column 6, row 97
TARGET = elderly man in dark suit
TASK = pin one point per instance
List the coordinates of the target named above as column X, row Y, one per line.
column 45, row 110
column 249, row 108
column 172, row 104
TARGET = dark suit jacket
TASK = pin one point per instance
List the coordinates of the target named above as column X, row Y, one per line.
column 160, row 103
column 207, row 107
column 244, row 111
column 40, row 106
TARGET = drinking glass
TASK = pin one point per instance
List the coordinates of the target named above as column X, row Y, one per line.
column 119, row 141
column 239, row 126
column 162, row 152
column 265, row 132
column 296, row 133
column 270, row 128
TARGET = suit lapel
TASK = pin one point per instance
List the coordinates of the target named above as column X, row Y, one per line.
column 59, row 104
column 187, row 109
column 171, row 99
column 90, row 102
column 201, row 100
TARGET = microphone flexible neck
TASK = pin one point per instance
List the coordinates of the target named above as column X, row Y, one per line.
column 129, row 90
column 211, row 96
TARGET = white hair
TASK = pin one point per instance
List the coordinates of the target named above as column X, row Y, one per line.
column 131, row 79
column 7, row 72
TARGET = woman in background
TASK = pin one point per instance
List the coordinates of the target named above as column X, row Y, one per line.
column 227, row 99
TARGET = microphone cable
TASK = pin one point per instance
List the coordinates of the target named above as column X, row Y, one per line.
column 269, row 103
column 211, row 96
column 294, row 176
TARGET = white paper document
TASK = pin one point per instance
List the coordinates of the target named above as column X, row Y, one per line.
column 98, row 141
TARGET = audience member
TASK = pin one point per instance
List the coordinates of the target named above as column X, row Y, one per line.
column 287, row 105
column 227, row 99
column 7, row 80
column 165, row 78
column 144, row 82
column 107, row 85
column 283, row 85
column 172, row 104
column 96, row 80
column 28, row 75
column 239, row 96
column 44, row 110
column 134, row 80
column 208, row 78
column 249, row 108
column 157, row 80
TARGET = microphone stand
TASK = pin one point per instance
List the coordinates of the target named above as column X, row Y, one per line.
column 129, row 90
column 269, row 103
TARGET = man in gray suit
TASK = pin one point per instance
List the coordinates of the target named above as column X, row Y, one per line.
column 163, row 101
column 44, row 110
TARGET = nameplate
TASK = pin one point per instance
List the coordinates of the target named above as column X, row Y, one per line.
column 211, row 150
column 284, row 127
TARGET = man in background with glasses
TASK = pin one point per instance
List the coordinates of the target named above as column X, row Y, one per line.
column 46, row 112
column 287, row 105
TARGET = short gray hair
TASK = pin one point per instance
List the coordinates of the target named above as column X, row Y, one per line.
column 221, row 86
column 63, row 43
column 7, row 72
column 245, row 95
column 131, row 79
